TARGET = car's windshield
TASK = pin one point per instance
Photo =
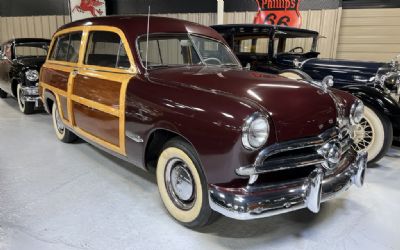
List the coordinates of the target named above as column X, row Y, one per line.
column 31, row 49
column 184, row 50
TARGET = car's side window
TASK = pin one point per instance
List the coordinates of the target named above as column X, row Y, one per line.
column 245, row 45
column 253, row 45
column 106, row 49
column 262, row 45
column 66, row 47
column 7, row 51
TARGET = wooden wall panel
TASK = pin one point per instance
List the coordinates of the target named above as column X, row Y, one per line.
column 201, row 18
column 30, row 26
column 324, row 21
column 369, row 34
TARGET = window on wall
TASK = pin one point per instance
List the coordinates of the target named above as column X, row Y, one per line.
column 107, row 50
column 67, row 47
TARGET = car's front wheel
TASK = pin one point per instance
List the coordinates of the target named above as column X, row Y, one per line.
column 182, row 185
column 25, row 107
column 374, row 134
column 63, row 133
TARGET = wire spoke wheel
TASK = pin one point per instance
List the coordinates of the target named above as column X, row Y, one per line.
column 374, row 134
column 363, row 135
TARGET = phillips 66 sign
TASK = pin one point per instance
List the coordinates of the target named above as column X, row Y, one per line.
column 278, row 12
column 87, row 8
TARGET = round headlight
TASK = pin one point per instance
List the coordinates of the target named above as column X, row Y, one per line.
column 356, row 112
column 32, row 75
column 255, row 132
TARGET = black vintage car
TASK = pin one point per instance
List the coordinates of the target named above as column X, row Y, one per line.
column 292, row 52
column 20, row 63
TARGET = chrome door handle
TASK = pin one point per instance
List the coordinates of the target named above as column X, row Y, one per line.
column 74, row 72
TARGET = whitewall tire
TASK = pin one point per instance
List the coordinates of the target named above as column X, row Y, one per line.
column 182, row 185
column 25, row 107
column 62, row 133
column 374, row 134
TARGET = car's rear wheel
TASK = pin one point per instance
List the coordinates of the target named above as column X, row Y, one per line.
column 3, row 94
column 374, row 134
column 25, row 107
column 182, row 185
column 63, row 133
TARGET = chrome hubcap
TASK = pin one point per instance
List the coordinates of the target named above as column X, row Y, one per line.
column 20, row 99
column 363, row 135
column 59, row 124
column 180, row 184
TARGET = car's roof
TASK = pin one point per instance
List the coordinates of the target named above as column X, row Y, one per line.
column 136, row 25
column 259, row 29
column 28, row 40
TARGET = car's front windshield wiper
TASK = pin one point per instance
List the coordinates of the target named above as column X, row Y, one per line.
column 230, row 65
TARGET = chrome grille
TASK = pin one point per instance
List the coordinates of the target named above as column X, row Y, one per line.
column 298, row 153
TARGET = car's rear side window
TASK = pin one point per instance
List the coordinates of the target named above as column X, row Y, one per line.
column 107, row 50
column 66, row 47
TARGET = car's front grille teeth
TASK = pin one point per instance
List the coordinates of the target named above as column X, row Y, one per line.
column 295, row 162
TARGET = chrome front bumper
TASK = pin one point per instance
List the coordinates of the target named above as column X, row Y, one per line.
column 252, row 202
column 31, row 94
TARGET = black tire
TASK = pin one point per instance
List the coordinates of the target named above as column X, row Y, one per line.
column 26, row 107
column 296, row 74
column 63, row 134
column 3, row 94
column 194, row 211
column 379, row 131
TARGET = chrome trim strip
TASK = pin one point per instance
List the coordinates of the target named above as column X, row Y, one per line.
column 134, row 137
column 258, row 166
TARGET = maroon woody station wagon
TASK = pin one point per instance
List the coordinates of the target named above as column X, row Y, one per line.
column 220, row 138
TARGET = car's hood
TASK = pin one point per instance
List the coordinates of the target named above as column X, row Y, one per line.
column 32, row 61
column 341, row 70
column 297, row 109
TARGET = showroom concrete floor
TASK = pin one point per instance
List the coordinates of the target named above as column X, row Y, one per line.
column 60, row 196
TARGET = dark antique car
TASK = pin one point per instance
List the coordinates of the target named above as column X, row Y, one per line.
column 220, row 138
column 292, row 52
column 20, row 62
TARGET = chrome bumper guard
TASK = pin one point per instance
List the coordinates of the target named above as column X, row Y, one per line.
column 31, row 94
column 259, row 202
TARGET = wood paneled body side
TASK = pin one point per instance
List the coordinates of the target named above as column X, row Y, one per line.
column 55, row 78
column 97, row 123
column 104, row 91
column 64, row 107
